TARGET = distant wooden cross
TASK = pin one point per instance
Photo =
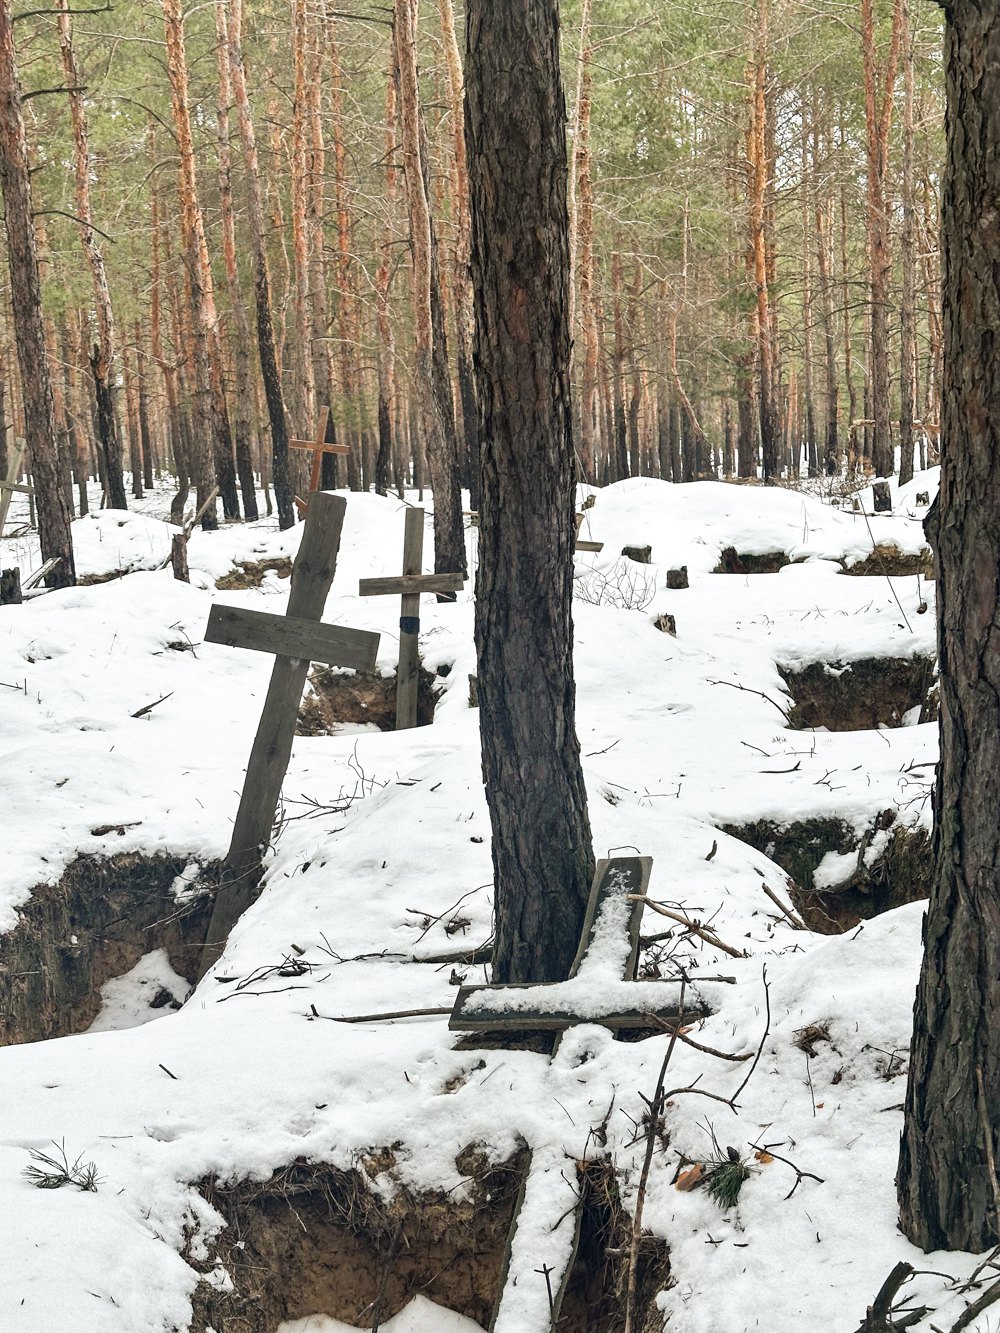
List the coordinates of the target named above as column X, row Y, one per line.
column 297, row 639
column 601, row 989
column 318, row 447
column 410, row 585
column 11, row 484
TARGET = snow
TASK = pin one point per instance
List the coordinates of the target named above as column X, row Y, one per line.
column 384, row 858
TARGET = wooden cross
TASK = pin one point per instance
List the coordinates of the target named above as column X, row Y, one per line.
column 297, row 639
column 11, row 484
column 410, row 585
column 319, row 447
column 601, row 989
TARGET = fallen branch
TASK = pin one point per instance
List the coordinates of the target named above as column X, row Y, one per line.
column 380, row 1018
column 695, row 927
column 973, row 1311
column 876, row 1319
column 790, row 917
column 155, row 704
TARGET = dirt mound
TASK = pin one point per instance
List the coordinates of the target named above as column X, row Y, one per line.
column 732, row 561
column 891, row 561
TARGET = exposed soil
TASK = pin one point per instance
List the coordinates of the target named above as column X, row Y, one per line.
column 359, row 697
column 900, row 874
column 732, row 561
column 95, row 924
column 860, row 696
column 91, row 580
column 314, row 1239
column 250, row 573
column 891, row 561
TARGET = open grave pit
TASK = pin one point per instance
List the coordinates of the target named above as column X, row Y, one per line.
column 339, row 698
column 898, row 872
column 732, row 561
column 861, row 695
column 314, row 1239
column 888, row 561
column 95, row 924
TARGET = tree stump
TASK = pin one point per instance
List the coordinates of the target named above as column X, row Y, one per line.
column 642, row 555
column 10, row 587
column 179, row 557
column 667, row 624
column 678, row 578
column 923, row 497
column 882, row 497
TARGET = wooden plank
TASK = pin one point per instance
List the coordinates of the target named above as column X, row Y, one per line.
column 315, row 448
column 411, row 583
column 590, row 546
column 409, row 623
column 292, row 636
column 467, row 1017
column 312, row 576
column 37, row 575
column 616, row 877
column 20, row 486
column 13, row 468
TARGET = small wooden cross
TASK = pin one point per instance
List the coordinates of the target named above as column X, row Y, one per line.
column 318, row 447
column 11, row 484
column 297, row 639
column 410, row 585
column 601, row 989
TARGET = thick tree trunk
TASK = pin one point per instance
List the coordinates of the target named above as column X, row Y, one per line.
column 952, row 1121
column 590, row 433
column 515, row 125
column 823, row 211
column 262, row 281
column 383, row 280
column 54, row 514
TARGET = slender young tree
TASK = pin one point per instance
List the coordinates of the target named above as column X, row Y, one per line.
column 947, row 1198
column 515, row 130
column 54, row 512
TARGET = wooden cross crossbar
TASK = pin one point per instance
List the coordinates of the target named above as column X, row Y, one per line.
column 604, row 967
column 409, row 585
column 296, row 639
column 318, row 446
column 581, row 545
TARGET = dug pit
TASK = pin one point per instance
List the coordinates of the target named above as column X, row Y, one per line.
column 861, row 696
column 316, row 1239
column 889, row 561
column 732, row 561
column 899, row 872
column 94, row 924
column 358, row 698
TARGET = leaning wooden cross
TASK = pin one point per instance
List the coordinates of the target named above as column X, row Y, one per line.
column 297, row 639
column 601, row 989
column 318, row 447
column 11, row 484
column 410, row 585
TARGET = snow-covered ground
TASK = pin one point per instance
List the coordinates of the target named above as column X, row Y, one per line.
column 679, row 734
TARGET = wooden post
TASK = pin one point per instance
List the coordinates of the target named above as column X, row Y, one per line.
column 409, row 624
column 410, row 585
column 297, row 633
column 10, row 587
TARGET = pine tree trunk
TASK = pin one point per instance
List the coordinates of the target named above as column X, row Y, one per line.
column 907, row 304
column 878, row 120
column 823, row 212
column 515, row 126
column 102, row 359
column 262, row 282
column 449, row 534
column 242, row 403
column 952, row 1117
column 589, row 432
column 54, row 515
column 383, row 279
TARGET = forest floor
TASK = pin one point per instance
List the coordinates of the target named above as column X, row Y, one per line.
column 257, row 1163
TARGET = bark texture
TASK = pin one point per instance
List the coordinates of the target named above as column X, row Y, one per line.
column 54, row 514
column 945, row 1196
column 515, row 129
